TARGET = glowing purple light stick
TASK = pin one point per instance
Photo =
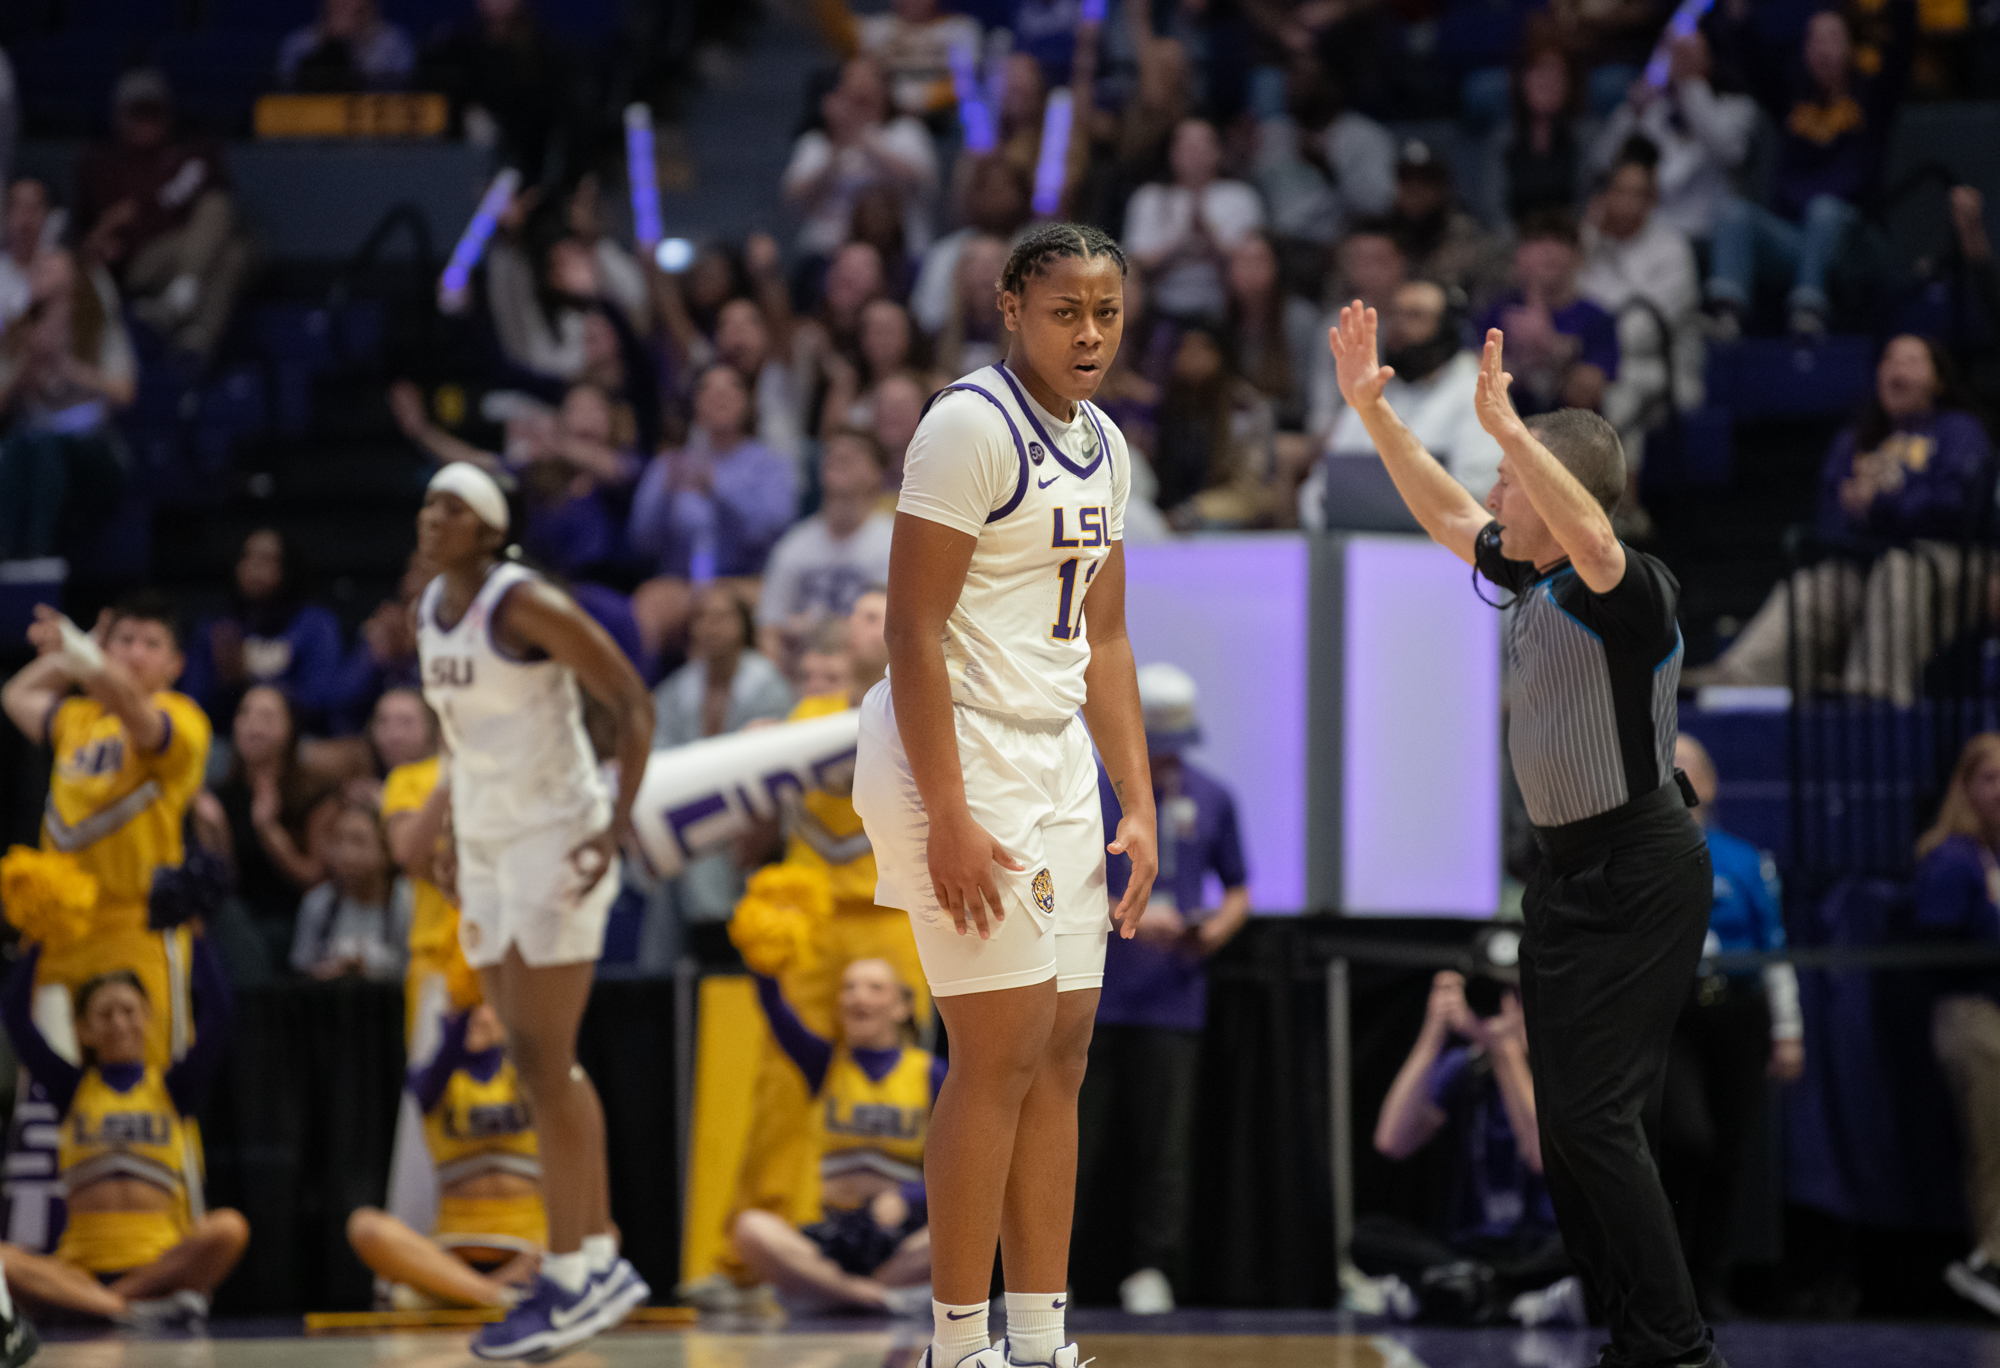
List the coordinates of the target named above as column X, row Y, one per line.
column 472, row 243
column 975, row 118
column 639, row 173
column 1686, row 19
column 1052, row 167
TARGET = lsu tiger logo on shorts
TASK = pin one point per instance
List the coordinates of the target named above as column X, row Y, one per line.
column 1045, row 892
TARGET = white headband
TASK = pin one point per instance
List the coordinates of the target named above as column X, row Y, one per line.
column 477, row 488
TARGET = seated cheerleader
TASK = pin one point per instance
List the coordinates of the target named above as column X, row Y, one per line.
column 871, row 1248
column 491, row 1226
column 131, row 1251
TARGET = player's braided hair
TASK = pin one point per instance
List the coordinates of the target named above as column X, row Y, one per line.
column 1051, row 241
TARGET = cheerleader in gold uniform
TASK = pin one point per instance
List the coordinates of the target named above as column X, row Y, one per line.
column 129, row 754
column 870, row 1248
column 130, row 1244
column 491, row 1226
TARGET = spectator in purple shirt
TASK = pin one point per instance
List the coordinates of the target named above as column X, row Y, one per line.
column 1907, row 480
column 269, row 636
column 1145, row 1055
column 1834, row 121
column 711, row 510
column 1957, row 871
column 1562, row 348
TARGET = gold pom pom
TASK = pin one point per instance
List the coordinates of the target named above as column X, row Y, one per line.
column 461, row 981
column 47, row 897
column 779, row 917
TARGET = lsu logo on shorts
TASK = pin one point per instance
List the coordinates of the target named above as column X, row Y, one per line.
column 1045, row 892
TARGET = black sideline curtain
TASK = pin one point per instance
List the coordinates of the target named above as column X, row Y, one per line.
column 299, row 1131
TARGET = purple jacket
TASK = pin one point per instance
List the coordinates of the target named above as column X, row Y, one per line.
column 1933, row 465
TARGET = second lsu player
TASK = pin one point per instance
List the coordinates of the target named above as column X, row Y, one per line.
column 977, row 786
column 538, row 834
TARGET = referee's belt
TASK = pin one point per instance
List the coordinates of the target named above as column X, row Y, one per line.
column 1560, row 843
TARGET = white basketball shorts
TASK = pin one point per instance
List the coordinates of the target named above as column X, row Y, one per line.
column 1033, row 787
column 526, row 891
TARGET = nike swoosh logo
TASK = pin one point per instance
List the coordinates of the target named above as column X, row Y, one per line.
column 564, row 1317
column 953, row 1315
column 1059, row 1304
column 1044, row 484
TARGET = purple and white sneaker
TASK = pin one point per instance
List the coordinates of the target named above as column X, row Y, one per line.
column 991, row 1357
column 548, row 1321
column 619, row 1291
column 1066, row 1357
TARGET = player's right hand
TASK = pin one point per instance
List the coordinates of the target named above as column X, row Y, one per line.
column 962, row 856
column 1355, row 365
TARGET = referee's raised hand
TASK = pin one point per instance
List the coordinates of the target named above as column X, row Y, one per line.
column 1360, row 375
column 1490, row 399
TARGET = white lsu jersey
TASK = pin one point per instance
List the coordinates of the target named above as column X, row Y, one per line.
column 1046, row 500
column 520, row 758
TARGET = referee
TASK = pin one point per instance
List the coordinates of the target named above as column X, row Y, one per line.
column 1616, row 917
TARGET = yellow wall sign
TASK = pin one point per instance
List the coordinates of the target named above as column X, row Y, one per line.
column 351, row 116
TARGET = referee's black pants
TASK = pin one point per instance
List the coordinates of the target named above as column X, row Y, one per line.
column 1615, row 922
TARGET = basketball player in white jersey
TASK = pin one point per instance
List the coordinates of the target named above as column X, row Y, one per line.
column 538, row 838
column 974, row 778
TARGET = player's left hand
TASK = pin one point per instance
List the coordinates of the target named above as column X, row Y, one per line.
column 1138, row 840
column 1788, row 1060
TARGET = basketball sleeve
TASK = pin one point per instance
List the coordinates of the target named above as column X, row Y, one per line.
column 961, row 465
column 183, row 755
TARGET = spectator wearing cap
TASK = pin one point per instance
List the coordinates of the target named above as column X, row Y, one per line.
column 1442, row 241
column 1642, row 272
column 1432, row 393
column 1702, row 134
column 1137, row 1112
column 1319, row 164
column 1561, row 348
column 157, row 210
column 1179, row 233
column 349, row 47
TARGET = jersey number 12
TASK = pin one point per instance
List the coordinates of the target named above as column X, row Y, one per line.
column 1069, row 608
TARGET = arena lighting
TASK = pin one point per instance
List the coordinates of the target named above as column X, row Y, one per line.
column 1051, row 167
column 472, row 243
column 639, row 175
column 975, row 119
column 1687, row 17
column 674, row 255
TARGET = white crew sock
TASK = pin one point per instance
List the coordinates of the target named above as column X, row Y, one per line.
column 957, row 1333
column 6, row 1302
column 600, row 1252
column 1035, row 1326
column 568, row 1271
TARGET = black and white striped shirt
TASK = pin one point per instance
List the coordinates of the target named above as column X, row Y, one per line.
column 1591, row 683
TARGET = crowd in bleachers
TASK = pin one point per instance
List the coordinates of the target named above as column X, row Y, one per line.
column 706, row 449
